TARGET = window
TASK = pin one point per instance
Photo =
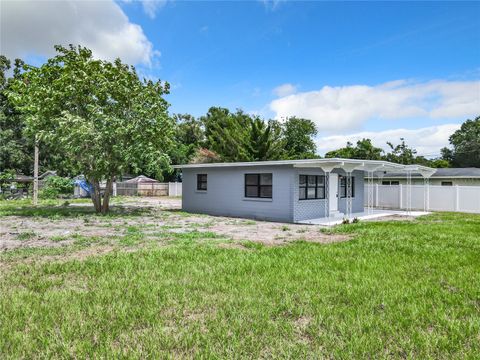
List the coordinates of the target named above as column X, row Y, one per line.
column 311, row 187
column 258, row 186
column 390, row 182
column 447, row 183
column 343, row 186
column 202, row 182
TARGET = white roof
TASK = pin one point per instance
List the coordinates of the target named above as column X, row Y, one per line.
column 141, row 179
column 325, row 164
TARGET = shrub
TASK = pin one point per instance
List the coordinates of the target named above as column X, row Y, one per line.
column 355, row 220
column 345, row 221
column 55, row 186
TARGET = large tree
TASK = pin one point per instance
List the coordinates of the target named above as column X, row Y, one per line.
column 16, row 146
column 298, row 135
column 241, row 137
column 264, row 142
column 227, row 133
column 364, row 149
column 466, row 144
column 100, row 115
column 401, row 153
column 15, row 149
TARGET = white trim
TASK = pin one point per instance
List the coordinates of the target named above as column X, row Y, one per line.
column 332, row 163
column 257, row 199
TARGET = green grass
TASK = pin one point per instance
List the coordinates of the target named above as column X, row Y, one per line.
column 396, row 290
column 26, row 235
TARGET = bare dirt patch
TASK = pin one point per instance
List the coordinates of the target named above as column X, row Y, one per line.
column 158, row 216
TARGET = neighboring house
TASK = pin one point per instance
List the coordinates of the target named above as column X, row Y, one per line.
column 443, row 177
column 25, row 179
column 142, row 186
column 289, row 191
column 142, row 179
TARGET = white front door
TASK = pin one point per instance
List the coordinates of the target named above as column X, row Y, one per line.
column 333, row 192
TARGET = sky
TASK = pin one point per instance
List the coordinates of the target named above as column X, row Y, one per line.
column 381, row 70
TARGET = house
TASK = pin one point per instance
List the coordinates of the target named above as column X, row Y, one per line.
column 286, row 190
column 442, row 177
column 141, row 186
column 142, row 179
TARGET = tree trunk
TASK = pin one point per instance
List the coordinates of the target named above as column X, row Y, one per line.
column 95, row 195
column 106, row 196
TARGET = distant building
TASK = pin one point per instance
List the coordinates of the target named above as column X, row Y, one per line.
column 443, row 177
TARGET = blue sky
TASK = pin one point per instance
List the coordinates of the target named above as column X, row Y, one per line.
column 234, row 53
column 381, row 70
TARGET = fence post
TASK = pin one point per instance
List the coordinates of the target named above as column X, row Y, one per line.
column 114, row 188
column 457, row 198
column 376, row 195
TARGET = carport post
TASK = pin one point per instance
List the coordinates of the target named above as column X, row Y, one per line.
column 400, row 196
column 327, row 169
column 326, row 202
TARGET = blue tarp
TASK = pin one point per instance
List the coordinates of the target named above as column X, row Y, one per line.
column 84, row 185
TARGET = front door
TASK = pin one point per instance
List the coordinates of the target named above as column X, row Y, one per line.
column 333, row 192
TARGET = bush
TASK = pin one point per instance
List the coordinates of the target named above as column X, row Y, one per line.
column 55, row 186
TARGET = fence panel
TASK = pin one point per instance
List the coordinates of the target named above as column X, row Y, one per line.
column 175, row 189
column 441, row 198
column 148, row 189
column 388, row 196
column 469, row 198
column 126, row 189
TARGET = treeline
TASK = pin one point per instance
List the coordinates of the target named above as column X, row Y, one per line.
column 219, row 136
column 464, row 151
column 227, row 136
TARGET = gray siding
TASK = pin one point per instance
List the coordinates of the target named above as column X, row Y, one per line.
column 311, row 209
column 357, row 203
column 225, row 193
column 306, row 209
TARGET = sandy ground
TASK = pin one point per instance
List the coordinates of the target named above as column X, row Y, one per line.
column 161, row 215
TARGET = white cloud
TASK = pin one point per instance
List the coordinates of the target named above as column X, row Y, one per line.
column 271, row 5
column 349, row 107
column 427, row 141
column 285, row 90
column 150, row 7
column 34, row 27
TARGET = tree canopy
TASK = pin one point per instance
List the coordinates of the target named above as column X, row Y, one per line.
column 16, row 150
column 363, row 150
column 240, row 136
column 298, row 136
column 466, row 144
column 98, row 114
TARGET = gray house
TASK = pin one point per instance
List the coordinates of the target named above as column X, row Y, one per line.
column 287, row 191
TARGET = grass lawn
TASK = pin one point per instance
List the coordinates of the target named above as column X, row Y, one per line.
column 396, row 290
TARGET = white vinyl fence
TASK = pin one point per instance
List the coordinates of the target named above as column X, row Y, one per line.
column 147, row 189
column 434, row 197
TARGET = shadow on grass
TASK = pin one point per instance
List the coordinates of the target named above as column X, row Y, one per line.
column 70, row 211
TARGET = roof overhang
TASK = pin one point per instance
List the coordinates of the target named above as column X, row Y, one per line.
column 324, row 164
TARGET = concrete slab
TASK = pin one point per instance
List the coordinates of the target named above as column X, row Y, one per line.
column 373, row 214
